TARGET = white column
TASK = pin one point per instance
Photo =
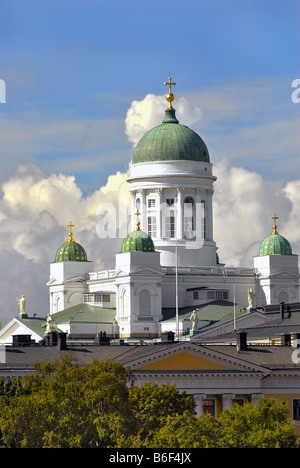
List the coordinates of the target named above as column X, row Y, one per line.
column 179, row 214
column 143, row 211
column 133, row 210
column 255, row 397
column 227, row 400
column 198, row 399
column 51, row 302
column 159, row 214
column 209, row 219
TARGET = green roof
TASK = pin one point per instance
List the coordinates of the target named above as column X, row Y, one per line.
column 81, row 313
column 85, row 313
column 36, row 324
column 70, row 251
column 275, row 244
column 138, row 241
column 214, row 314
column 170, row 141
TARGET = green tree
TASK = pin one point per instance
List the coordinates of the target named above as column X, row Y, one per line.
column 265, row 425
column 187, row 431
column 67, row 405
column 152, row 405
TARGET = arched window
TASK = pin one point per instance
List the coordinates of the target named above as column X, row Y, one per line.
column 283, row 297
column 145, row 303
column 189, row 217
column 58, row 304
column 125, row 303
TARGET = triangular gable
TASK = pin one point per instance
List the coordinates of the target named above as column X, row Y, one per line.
column 139, row 271
column 18, row 327
column 284, row 275
column 184, row 361
column 75, row 279
column 188, row 356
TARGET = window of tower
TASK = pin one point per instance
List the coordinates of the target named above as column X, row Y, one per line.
column 151, row 202
column 152, row 228
column 170, row 225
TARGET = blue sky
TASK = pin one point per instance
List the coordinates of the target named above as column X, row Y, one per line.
column 73, row 70
column 88, row 59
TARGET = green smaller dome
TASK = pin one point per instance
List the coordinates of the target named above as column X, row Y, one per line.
column 275, row 244
column 70, row 252
column 138, row 241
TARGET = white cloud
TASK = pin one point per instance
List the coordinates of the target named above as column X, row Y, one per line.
column 149, row 112
column 243, row 206
column 35, row 210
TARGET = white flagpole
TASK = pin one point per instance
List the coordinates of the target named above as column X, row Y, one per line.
column 176, row 271
column 234, row 311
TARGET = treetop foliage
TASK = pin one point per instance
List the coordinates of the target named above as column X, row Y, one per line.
column 64, row 405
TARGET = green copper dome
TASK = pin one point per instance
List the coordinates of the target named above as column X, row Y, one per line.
column 170, row 141
column 138, row 241
column 70, row 251
column 275, row 244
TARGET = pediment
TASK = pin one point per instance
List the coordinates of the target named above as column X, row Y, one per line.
column 190, row 357
column 77, row 279
column 284, row 275
column 139, row 271
column 52, row 282
column 16, row 327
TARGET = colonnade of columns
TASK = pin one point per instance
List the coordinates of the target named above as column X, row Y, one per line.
column 226, row 398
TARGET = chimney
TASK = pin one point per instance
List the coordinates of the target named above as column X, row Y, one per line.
column 62, row 341
column 282, row 310
column 102, row 339
column 286, row 339
column 241, row 341
column 296, row 340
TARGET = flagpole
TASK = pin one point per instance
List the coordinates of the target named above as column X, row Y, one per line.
column 234, row 311
column 176, row 272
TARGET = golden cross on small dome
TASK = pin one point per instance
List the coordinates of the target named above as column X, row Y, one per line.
column 137, row 214
column 274, row 217
column 170, row 97
column 70, row 233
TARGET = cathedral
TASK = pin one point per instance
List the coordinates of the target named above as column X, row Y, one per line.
column 167, row 271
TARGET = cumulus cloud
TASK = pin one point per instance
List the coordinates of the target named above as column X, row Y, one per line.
column 149, row 112
column 34, row 211
column 243, row 206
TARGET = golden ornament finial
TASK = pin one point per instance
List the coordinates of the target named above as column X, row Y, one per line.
column 70, row 233
column 137, row 214
column 170, row 97
column 274, row 217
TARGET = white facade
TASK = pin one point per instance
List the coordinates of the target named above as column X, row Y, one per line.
column 67, row 284
column 174, row 199
column 139, row 296
column 278, row 279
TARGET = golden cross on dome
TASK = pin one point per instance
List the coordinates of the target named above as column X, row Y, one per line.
column 170, row 97
column 137, row 214
column 274, row 217
column 70, row 233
